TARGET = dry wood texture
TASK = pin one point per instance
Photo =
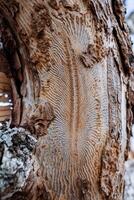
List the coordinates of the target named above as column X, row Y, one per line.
column 74, row 63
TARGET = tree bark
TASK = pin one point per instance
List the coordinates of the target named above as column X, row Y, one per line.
column 70, row 63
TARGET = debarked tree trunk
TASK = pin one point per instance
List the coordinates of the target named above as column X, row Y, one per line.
column 68, row 64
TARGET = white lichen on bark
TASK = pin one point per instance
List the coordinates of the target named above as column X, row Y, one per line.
column 16, row 146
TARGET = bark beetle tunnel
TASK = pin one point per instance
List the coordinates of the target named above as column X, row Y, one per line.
column 10, row 74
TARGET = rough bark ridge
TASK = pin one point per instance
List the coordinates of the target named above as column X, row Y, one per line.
column 70, row 90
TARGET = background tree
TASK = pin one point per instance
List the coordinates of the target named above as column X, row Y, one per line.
column 69, row 69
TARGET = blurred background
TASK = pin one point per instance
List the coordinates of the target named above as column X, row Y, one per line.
column 129, row 164
column 130, row 17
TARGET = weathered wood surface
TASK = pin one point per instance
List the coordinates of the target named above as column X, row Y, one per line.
column 72, row 60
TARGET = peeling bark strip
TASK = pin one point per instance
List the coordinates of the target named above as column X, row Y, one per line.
column 74, row 56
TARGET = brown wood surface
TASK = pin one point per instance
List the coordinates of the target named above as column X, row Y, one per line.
column 75, row 60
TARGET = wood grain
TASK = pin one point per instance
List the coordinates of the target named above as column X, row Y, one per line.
column 75, row 77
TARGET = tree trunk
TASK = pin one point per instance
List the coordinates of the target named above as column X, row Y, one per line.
column 69, row 65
